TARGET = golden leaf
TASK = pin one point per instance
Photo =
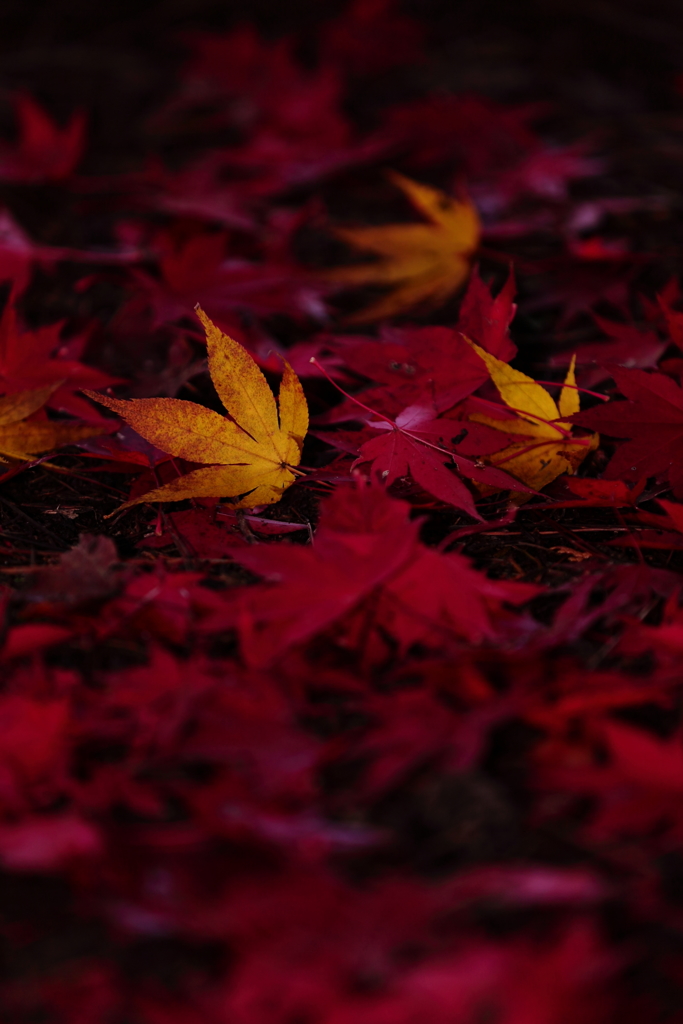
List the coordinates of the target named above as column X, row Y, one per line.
column 22, row 439
column 547, row 448
column 250, row 455
column 426, row 263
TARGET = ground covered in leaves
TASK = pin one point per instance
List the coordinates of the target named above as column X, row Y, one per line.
column 392, row 733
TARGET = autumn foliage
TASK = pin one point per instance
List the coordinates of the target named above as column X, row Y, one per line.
column 342, row 630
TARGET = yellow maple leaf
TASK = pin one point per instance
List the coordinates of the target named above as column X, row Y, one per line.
column 250, row 455
column 425, row 262
column 23, row 439
column 547, row 447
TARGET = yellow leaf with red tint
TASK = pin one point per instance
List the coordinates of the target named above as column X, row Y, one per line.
column 546, row 447
column 249, row 457
column 426, row 263
column 23, row 439
column 522, row 394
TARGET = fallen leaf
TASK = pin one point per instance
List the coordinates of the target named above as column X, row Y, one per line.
column 438, row 592
column 84, row 573
column 546, row 448
column 486, row 318
column 44, row 152
column 419, row 445
column 628, row 346
column 41, row 358
column 583, row 278
column 667, row 528
column 426, row 263
column 602, row 493
column 250, row 456
column 652, row 419
column 195, row 534
column 365, row 544
column 21, row 438
column 410, row 363
column 19, row 254
column 198, row 269
column 297, row 129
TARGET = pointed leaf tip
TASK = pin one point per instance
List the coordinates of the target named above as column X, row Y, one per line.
column 247, row 457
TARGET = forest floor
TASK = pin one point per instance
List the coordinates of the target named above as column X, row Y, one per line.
column 406, row 744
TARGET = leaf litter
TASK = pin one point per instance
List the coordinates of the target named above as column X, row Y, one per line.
column 378, row 720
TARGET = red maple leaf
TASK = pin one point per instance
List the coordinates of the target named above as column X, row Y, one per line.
column 637, row 793
column 45, row 152
column 628, row 346
column 598, row 493
column 363, row 539
column 196, row 269
column 19, row 254
column 415, row 445
column 429, row 365
column 41, row 358
column 440, row 593
column 652, row 419
column 365, row 544
column 291, row 120
column 586, row 276
column 198, row 191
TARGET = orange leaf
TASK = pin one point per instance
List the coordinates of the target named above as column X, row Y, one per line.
column 23, row 439
column 425, row 262
column 249, row 457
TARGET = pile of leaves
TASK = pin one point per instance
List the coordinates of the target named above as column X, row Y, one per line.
column 361, row 703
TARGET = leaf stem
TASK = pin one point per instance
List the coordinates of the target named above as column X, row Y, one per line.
column 347, row 395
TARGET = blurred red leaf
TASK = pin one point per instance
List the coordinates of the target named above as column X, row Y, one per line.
column 44, row 152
